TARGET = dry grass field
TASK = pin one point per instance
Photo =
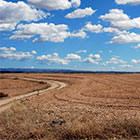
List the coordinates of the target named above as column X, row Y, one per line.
column 91, row 107
column 14, row 87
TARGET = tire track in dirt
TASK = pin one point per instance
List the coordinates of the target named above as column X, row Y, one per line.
column 101, row 100
column 122, row 107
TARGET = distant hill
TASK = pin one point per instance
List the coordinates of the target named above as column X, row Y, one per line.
column 27, row 70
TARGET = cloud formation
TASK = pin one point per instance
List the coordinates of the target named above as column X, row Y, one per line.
column 12, row 13
column 92, row 58
column 80, row 13
column 134, row 61
column 52, row 59
column 123, row 2
column 126, row 66
column 119, row 20
column 92, row 28
column 10, row 54
column 114, row 60
column 126, row 38
column 46, row 32
column 73, row 57
column 136, row 47
column 55, row 4
column 81, row 51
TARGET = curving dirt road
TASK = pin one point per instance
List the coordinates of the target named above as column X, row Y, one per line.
column 55, row 85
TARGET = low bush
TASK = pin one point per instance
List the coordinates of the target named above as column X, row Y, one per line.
column 3, row 95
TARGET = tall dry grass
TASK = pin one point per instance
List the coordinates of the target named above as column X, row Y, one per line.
column 22, row 122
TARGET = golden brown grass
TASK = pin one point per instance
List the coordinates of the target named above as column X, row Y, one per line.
column 14, row 87
column 22, row 122
column 91, row 107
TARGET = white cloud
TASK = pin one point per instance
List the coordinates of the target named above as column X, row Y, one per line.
column 7, row 26
column 92, row 28
column 114, row 15
column 126, row 38
column 46, row 32
column 127, row 24
column 133, row 2
column 52, row 59
column 113, row 68
column 81, row 51
column 112, row 30
column 73, row 57
column 80, row 13
column 34, row 52
column 114, row 60
column 80, row 34
column 5, row 49
column 10, row 54
column 55, row 4
column 135, row 61
column 14, row 12
column 120, row 20
column 76, row 3
column 92, row 59
column 136, row 47
column 126, row 66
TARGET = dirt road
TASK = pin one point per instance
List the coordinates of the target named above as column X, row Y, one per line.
column 55, row 85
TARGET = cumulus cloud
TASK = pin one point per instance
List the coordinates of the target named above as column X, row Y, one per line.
column 16, row 12
column 114, row 15
column 114, row 60
column 73, row 57
column 52, row 59
column 133, row 2
column 34, row 52
column 120, row 20
column 81, row 51
column 136, row 47
column 126, row 66
column 10, row 54
column 112, row 30
column 80, row 34
column 7, row 26
column 134, row 61
column 5, row 49
column 126, row 38
column 46, row 32
column 80, row 13
column 92, row 58
column 92, row 28
column 76, row 3
column 12, row 13
column 55, row 4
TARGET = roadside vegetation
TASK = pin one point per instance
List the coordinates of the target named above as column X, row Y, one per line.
column 2, row 95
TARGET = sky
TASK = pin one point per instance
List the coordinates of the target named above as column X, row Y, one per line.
column 95, row 35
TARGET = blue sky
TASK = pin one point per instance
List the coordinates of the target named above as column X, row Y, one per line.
column 77, row 34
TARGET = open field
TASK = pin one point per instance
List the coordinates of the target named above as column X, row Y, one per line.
column 92, row 106
column 15, row 86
